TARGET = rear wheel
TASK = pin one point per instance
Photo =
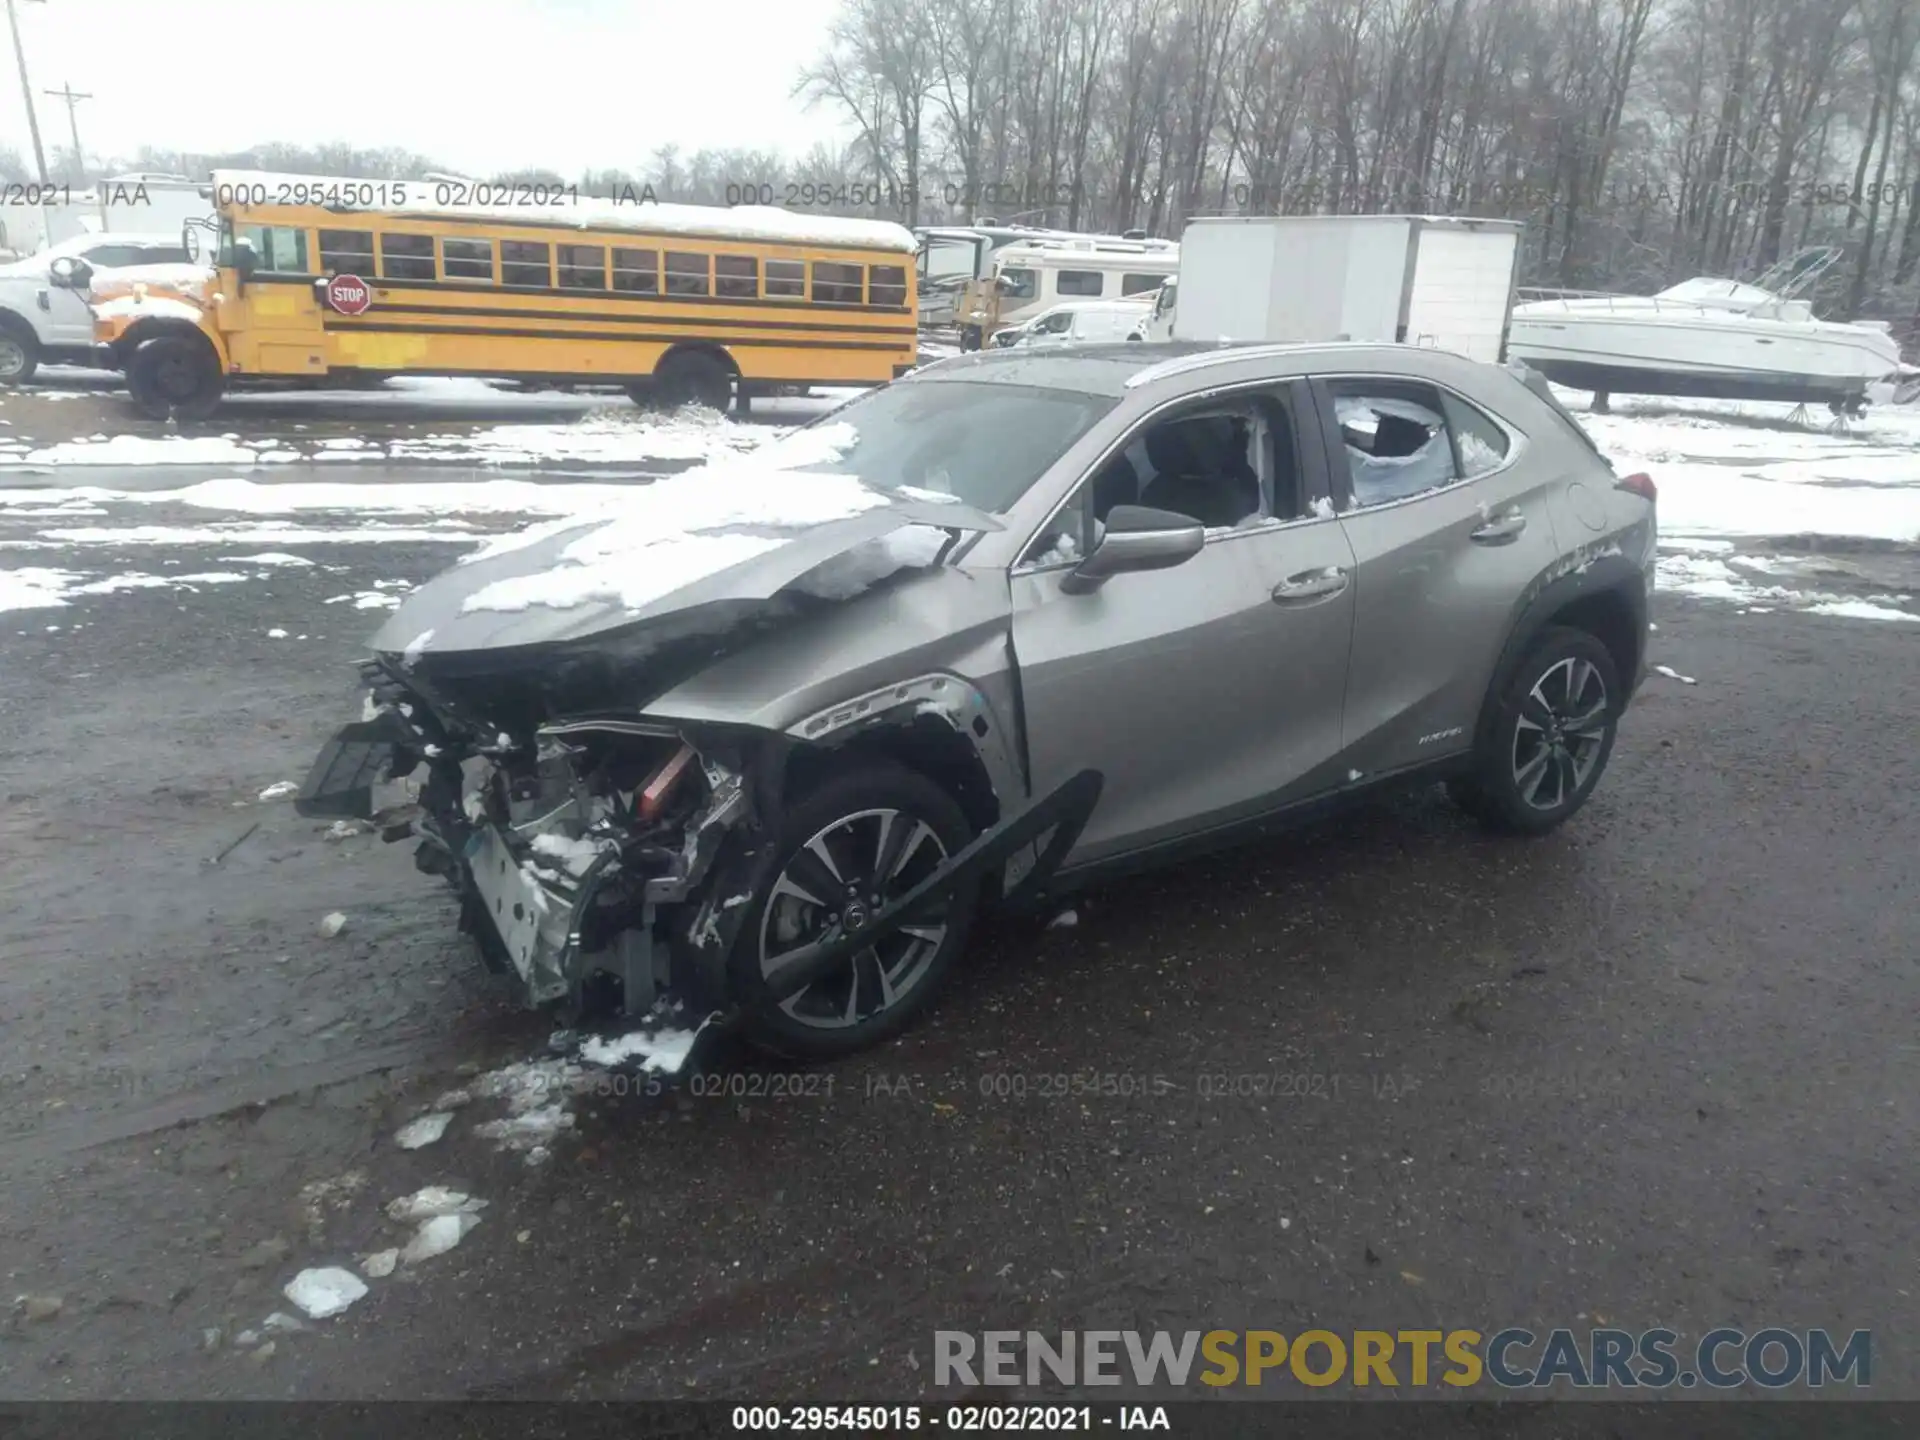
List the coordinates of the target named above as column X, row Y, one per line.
column 19, row 354
column 693, row 378
column 1545, row 746
column 175, row 377
column 852, row 845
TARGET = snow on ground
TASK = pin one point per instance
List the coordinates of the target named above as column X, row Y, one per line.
column 1743, row 469
column 617, row 435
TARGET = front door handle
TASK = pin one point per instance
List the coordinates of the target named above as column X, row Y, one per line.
column 1501, row 529
column 1311, row 585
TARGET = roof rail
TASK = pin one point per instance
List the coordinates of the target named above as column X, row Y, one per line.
column 1228, row 350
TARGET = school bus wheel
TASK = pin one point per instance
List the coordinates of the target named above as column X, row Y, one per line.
column 175, row 376
column 692, row 377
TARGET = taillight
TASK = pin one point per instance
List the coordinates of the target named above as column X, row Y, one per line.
column 1640, row 484
column 654, row 794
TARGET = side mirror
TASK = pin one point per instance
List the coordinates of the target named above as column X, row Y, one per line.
column 1137, row 538
column 70, row 272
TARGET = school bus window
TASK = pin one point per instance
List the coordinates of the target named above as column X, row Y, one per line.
column 836, row 284
column 466, row 259
column 736, row 276
column 583, row 267
column 406, row 257
column 524, row 262
column 277, row 249
column 637, row 271
column 346, row 252
column 688, row 274
column 787, row 277
column 887, row 285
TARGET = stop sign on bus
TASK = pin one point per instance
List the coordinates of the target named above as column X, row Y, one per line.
column 349, row 294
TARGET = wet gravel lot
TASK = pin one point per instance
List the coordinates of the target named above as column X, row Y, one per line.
column 1658, row 1069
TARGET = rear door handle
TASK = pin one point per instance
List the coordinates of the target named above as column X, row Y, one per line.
column 1501, row 529
column 1311, row 585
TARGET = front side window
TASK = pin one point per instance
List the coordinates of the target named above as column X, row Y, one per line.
column 837, row 284
column 981, row 443
column 787, row 278
column 736, row 277
column 583, row 267
column 887, row 285
column 689, row 274
column 1057, row 323
column 277, row 249
column 1395, row 437
column 1081, row 282
column 466, row 259
column 406, row 257
column 346, row 252
column 1017, row 283
column 525, row 263
column 636, row 272
column 1223, row 464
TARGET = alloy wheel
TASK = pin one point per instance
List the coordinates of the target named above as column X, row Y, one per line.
column 1560, row 733
column 834, row 885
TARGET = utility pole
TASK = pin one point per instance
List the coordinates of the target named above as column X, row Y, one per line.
column 26, row 90
column 73, row 98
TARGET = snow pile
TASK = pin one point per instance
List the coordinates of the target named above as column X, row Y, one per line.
column 844, row 576
column 1721, row 574
column 323, row 1293
column 683, row 528
column 610, row 437
column 34, row 589
column 661, row 1051
column 537, row 1094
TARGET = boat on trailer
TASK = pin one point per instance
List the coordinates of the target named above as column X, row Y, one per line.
column 1709, row 338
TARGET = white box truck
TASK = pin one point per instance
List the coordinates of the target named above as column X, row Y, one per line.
column 1438, row 281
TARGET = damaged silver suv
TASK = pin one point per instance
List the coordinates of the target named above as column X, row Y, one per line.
column 759, row 744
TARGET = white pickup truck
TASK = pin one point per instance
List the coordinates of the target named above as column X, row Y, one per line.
column 44, row 322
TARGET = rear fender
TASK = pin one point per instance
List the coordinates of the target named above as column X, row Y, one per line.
column 1589, row 573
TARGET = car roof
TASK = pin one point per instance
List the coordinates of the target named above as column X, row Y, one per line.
column 1103, row 368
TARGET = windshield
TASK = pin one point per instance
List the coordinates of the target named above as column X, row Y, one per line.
column 980, row 443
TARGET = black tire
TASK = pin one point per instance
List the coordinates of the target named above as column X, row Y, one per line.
column 841, row 814
column 175, row 377
column 1532, row 768
column 19, row 352
column 693, row 378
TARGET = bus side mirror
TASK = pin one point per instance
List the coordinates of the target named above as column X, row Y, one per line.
column 245, row 262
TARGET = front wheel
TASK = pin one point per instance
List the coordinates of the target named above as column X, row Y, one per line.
column 19, row 354
column 1544, row 747
column 856, row 842
column 175, row 377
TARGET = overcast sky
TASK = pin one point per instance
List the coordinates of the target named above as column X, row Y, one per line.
column 480, row 85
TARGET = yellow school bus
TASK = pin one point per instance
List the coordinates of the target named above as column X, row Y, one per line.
column 340, row 281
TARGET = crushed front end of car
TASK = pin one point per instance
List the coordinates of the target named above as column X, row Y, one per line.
column 600, row 854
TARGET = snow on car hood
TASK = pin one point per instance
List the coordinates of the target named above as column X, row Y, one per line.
column 738, row 529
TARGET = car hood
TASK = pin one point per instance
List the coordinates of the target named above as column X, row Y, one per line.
column 575, row 579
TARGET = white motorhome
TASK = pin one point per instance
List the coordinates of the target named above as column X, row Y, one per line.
column 1035, row 275
column 1439, row 281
